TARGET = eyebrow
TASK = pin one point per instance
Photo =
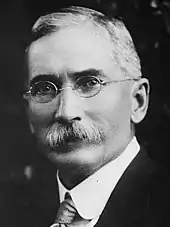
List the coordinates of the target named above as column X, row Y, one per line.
column 53, row 77
column 90, row 72
column 44, row 77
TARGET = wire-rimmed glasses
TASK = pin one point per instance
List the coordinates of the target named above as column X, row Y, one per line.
column 85, row 87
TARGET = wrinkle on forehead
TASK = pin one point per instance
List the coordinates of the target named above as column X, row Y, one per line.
column 76, row 47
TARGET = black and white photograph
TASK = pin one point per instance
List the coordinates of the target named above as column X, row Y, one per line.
column 85, row 113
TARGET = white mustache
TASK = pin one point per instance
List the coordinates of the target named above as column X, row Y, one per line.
column 75, row 132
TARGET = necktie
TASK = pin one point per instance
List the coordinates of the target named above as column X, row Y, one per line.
column 68, row 216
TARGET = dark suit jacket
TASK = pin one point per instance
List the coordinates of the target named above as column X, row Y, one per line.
column 140, row 199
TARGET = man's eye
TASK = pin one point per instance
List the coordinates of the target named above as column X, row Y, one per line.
column 43, row 91
column 88, row 86
column 92, row 82
column 88, row 82
column 43, row 88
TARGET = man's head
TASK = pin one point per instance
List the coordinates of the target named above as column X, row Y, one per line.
column 87, row 122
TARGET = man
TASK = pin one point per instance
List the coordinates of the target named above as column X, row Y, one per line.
column 85, row 95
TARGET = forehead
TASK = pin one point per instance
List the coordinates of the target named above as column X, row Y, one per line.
column 74, row 48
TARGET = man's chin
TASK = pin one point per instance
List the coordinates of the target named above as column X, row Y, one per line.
column 72, row 155
column 64, row 153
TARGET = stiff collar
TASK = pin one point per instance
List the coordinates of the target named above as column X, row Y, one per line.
column 91, row 195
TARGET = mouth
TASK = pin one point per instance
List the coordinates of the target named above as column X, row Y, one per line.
column 69, row 142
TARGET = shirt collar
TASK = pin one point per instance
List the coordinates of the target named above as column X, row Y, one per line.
column 91, row 195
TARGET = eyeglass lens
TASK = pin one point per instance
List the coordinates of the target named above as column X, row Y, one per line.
column 46, row 91
column 43, row 91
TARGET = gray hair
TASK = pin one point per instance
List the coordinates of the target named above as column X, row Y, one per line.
column 124, row 52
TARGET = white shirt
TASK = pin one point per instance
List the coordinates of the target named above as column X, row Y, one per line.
column 91, row 195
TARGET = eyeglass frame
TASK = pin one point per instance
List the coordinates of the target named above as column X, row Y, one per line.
column 102, row 83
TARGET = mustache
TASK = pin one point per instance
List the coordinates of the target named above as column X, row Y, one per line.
column 76, row 132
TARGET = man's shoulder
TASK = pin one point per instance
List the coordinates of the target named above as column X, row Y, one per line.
column 141, row 197
column 144, row 175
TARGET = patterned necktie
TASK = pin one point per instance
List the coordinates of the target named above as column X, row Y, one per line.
column 68, row 216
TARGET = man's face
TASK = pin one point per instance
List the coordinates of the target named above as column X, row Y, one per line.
column 73, row 129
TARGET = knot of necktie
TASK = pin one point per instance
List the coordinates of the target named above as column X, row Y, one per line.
column 68, row 216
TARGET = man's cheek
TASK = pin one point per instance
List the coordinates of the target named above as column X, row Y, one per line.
column 38, row 124
column 39, row 116
column 40, row 131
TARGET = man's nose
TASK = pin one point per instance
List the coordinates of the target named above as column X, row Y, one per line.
column 70, row 105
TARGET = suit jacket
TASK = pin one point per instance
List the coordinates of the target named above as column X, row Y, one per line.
column 140, row 199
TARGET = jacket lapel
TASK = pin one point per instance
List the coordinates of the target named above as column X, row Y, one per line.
column 128, row 204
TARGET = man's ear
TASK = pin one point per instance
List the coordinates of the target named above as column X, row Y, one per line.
column 140, row 100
